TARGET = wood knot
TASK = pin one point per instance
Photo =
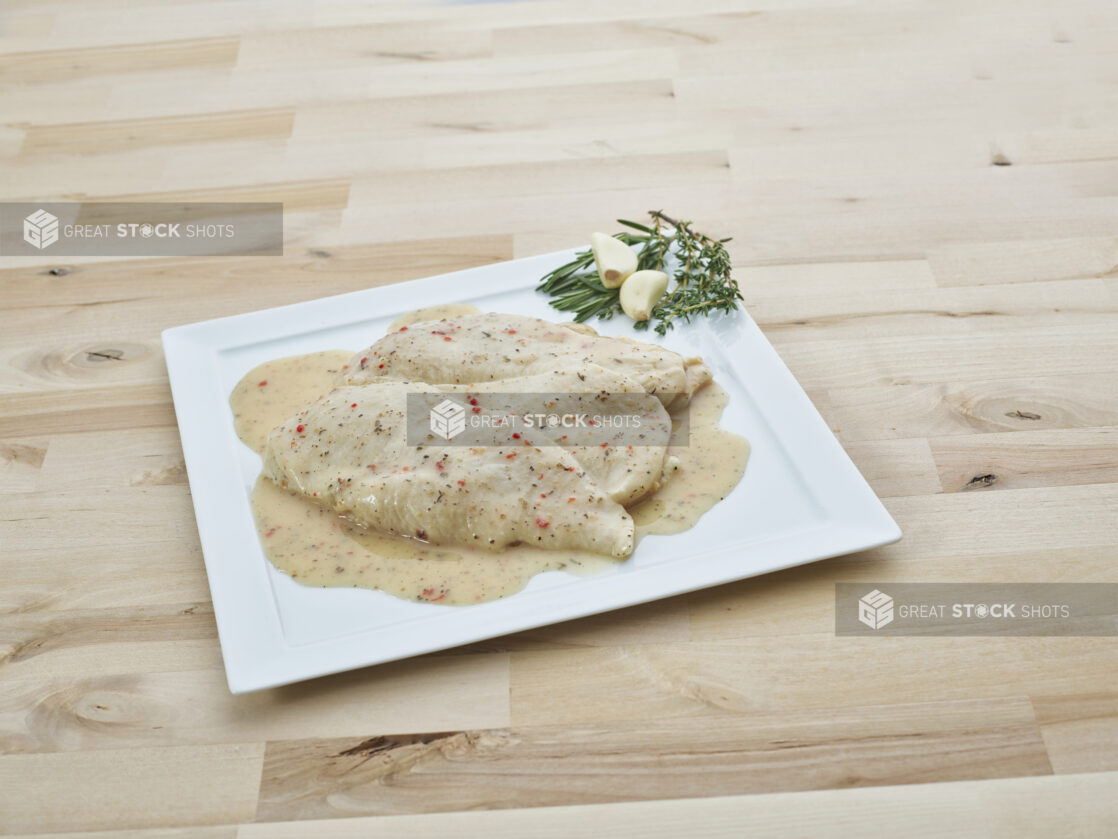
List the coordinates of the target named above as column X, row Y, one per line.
column 1028, row 415
column 107, row 357
column 59, row 271
column 979, row 481
column 98, row 362
column 97, row 356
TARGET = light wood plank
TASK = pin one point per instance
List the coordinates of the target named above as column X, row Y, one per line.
column 1027, row 459
column 1015, row 520
column 55, row 66
column 951, row 407
column 1069, row 805
column 113, row 459
column 95, row 138
column 942, row 312
column 302, row 275
column 89, row 710
column 648, row 760
column 129, row 788
column 896, row 467
column 746, row 675
column 1024, row 261
column 1073, row 728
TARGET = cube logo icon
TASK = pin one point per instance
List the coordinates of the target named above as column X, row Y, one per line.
column 448, row 419
column 875, row 609
column 40, row 229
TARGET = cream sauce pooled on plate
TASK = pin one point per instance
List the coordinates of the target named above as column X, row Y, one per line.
column 317, row 547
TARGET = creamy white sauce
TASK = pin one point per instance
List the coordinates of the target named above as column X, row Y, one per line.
column 319, row 548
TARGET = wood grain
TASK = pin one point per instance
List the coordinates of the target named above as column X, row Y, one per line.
column 1070, row 805
column 650, row 759
column 96, row 138
column 924, row 204
column 118, row 789
column 47, row 66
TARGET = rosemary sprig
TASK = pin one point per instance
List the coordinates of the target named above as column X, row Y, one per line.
column 703, row 283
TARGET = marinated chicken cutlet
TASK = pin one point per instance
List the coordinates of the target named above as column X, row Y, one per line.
column 349, row 452
column 493, row 347
column 551, row 487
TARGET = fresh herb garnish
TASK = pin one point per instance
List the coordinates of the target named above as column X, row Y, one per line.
column 699, row 264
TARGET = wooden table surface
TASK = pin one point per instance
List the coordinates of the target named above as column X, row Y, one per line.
column 924, row 200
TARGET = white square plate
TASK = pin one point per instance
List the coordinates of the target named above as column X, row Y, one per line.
column 801, row 499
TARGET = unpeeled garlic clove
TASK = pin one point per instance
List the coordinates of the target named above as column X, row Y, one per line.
column 641, row 291
column 615, row 259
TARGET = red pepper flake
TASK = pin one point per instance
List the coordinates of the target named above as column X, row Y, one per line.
column 543, row 495
column 541, row 523
column 380, row 366
column 300, row 428
column 270, row 532
column 261, row 384
column 372, row 466
column 354, row 405
column 605, row 445
column 403, row 329
column 570, row 469
column 364, row 361
column 447, row 338
column 510, row 456
column 440, row 466
column 437, row 599
column 476, row 410
column 515, row 435
column 473, row 401
column 511, row 331
column 571, row 500
column 421, row 534
column 461, row 483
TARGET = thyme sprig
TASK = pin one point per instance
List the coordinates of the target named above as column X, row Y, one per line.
column 703, row 283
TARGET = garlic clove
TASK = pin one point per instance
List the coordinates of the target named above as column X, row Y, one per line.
column 615, row 259
column 641, row 292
